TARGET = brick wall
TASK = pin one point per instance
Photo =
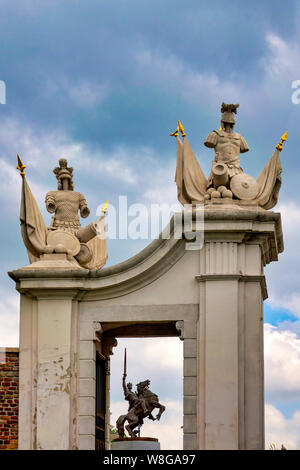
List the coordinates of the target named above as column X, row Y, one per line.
column 9, row 397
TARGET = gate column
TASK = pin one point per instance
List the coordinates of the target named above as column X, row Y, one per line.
column 230, row 334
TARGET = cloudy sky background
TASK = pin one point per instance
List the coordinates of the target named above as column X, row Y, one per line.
column 103, row 83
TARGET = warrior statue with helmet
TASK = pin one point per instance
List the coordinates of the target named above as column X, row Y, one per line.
column 227, row 183
column 80, row 247
column 141, row 404
column 227, row 144
column 65, row 202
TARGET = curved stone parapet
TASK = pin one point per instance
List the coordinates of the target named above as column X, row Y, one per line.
column 160, row 255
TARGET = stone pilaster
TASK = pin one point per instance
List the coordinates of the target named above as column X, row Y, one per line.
column 48, row 371
column 230, row 397
column 189, row 336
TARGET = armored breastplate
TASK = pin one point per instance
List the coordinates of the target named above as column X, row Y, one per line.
column 67, row 204
column 228, row 148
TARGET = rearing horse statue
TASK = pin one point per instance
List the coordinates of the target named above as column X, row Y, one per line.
column 141, row 404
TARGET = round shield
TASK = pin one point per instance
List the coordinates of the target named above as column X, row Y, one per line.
column 67, row 239
column 244, row 186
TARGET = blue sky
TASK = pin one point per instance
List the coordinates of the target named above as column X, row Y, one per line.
column 103, row 83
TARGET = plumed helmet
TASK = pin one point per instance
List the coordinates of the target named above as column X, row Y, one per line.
column 63, row 171
column 228, row 111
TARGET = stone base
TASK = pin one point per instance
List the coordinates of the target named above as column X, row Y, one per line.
column 136, row 443
column 54, row 261
column 237, row 204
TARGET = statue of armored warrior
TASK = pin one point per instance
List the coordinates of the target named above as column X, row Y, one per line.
column 141, row 405
column 133, row 399
column 65, row 202
column 227, row 144
column 83, row 246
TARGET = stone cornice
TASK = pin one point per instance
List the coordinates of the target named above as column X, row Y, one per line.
column 238, row 277
column 248, row 226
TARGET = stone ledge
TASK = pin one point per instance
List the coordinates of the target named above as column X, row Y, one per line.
column 239, row 277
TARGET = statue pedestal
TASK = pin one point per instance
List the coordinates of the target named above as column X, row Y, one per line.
column 136, row 443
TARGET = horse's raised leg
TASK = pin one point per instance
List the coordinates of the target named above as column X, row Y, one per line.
column 133, row 421
column 120, row 425
column 162, row 408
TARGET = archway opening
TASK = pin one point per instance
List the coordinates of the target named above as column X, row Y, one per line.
column 159, row 359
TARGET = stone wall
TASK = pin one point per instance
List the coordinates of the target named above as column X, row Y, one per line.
column 9, row 398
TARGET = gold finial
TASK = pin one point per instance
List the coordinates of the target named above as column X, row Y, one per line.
column 104, row 207
column 181, row 128
column 283, row 139
column 175, row 133
column 221, row 128
column 21, row 167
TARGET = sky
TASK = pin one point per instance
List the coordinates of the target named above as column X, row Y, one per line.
column 102, row 83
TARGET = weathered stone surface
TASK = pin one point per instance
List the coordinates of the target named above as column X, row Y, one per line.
column 190, row 405
column 190, row 424
column 190, row 441
column 190, row 348
column 190, row 367
column 64, row 314
column 190, row 386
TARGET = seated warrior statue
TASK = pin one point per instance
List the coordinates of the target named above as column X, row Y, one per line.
column 227, row 143
column 83, row 246
column 227, row 182
column 65, row 202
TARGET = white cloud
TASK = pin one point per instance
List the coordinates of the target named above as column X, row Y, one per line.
column 282, row 362
column 168, row 354
column 10, row 178
column 290, row 214
column 186, row 81
column 283, row 277
column 283, row 59
column 150, row 358
column 280, row 430
column 42, row 151
column 9, row 320
column 87, row 95
column 279, row 66
column 162, row 188
column 84, row 94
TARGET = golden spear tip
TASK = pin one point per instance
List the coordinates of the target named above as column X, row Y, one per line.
column 21, row 167
column 181, row 128
column 104, row 207
column 175, row 133
column 283, row 139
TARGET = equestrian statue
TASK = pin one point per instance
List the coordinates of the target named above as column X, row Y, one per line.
column 141, row 404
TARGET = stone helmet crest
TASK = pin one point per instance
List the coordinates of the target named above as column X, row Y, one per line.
column 228, row 111
column 64, row 172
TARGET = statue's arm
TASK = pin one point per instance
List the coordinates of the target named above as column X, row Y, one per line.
column 243, row 146
column 50, row 202
column 211, row 140
column 84, row 210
